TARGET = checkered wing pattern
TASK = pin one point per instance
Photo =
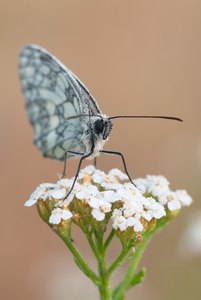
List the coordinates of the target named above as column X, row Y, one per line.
column 53, row 94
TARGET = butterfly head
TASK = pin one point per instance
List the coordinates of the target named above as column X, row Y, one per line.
column 103, row 126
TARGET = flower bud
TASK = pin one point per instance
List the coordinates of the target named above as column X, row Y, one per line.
column 43, row 210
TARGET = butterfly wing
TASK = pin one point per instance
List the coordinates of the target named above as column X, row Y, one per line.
column 53, row 94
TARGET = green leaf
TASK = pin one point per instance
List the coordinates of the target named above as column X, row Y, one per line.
column 138, row 277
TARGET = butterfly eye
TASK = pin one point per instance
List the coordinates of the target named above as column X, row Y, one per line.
column 99, row 125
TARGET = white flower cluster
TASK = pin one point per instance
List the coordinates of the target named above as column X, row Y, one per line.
column 111, row 193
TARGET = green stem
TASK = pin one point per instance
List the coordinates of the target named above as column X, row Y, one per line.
column 118, row 261
column 79, row 259
column 108, row 240
column 104, row 287
column 92, row 244
column 119, row 292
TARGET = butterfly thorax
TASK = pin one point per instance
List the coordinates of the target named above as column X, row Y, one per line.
column 100, row 130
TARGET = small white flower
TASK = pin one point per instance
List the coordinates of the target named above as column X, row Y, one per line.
column 116, row 213
column 184, row 198
column 111, row 196
column 58, row 193
column 105, row 206
column 158, row 211
column 86, row 191
column 98, row 176
column 98, row 215
column 141, row 184
column 125, row 194
column 118, row 174
column 89, row 170
column 135, row 223
column 59, row 214
column 148, row 215
column 171, row 200
column 108, row 182
column 128, row 211
column 94, row 202
column 132, row 207
column 100, row 208
column 65, row 183
column 120, row 222
column 174, row 205
column 111, row 185
column 41, row 192
column 157, row 185
column 153, row 209
column 129, row 192
column 63, row 203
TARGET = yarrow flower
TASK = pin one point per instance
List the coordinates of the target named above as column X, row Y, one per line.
column 58, row 215
column 99, row 208
column 99, row 200
column 110, row 196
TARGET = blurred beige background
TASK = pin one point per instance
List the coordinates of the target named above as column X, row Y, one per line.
column 139, row 57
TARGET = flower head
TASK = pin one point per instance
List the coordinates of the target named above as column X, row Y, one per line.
column 102, row 197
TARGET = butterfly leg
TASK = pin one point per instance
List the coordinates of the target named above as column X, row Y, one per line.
column 78, row 170
column 64, row 169
column 95, row 162
column 65, row 161
column 123, row 160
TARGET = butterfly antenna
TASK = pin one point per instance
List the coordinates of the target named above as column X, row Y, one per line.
column 147, row 117
column 82, row 115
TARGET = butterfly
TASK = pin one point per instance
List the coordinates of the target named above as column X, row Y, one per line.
column 66, row 119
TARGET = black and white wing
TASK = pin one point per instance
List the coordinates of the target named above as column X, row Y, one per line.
column 53, row 94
